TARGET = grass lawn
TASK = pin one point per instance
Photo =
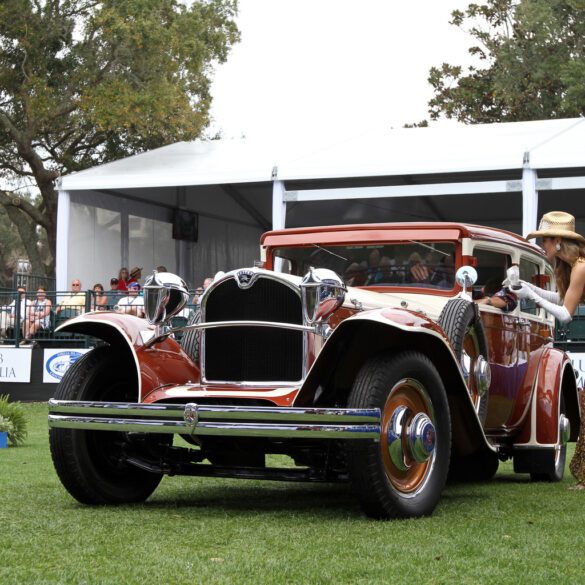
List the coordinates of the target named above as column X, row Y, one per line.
column 227, row 531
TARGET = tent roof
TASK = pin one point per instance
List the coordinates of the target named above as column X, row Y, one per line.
column 449, row 148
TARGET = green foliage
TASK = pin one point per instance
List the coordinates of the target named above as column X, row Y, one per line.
column 12, row 414
column 84, row 83
column 531, row 63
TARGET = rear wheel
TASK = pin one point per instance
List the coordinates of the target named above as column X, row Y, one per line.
column 404, row 473
column 555, row 459
column 90, row 464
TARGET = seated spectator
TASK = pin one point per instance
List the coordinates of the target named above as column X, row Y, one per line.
column 161, row 268
column 38, row 315
column 494, row 295
column 123, row 278
column 135, row 275
column 444, row 274
column 24, row 311
column 100, row 299
column 417, row 271
column 133, row 304
column 385, row 273
column 113, row 295
column 74, row 304
column 355, row 274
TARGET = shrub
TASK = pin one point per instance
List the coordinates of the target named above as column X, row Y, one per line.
column 12, row 413
column 5, row 425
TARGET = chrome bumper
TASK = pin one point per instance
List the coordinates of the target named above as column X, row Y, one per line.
column 229, row 421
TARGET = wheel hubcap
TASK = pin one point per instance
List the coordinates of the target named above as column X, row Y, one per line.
column 408, row 439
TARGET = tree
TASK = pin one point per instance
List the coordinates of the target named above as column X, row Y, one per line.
column 84, row 82
column 531, row 57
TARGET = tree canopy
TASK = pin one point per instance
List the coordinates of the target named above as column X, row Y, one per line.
column 83, row 82
column 530, row 63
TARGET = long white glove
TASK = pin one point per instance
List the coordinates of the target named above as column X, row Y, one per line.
column 557, row 311
column 547, row 295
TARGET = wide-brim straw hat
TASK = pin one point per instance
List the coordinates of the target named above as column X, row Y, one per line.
column 135, row 270
column 557, row 224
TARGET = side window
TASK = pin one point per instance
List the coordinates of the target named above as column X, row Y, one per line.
column 491, row 271
column 528, row 270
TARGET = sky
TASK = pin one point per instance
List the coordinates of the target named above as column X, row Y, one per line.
column 312, row 68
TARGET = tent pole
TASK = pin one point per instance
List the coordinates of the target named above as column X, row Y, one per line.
column 278, row 205
column 62, row 252
column 529, row 197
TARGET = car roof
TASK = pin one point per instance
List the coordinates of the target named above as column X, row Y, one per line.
column 379, row 232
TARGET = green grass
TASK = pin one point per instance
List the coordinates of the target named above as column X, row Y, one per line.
column 226, row 531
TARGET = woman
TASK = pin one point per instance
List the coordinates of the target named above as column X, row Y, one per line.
column 566, row 250
column 39, row 312
column 123, row 278
column 100, row 299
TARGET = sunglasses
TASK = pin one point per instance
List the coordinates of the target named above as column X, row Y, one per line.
column 75, row 284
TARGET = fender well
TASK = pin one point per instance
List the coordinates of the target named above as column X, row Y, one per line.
column 569, row 389
column 356, row 340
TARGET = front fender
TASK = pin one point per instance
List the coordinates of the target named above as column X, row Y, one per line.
column 163, row 364
column 372, row 332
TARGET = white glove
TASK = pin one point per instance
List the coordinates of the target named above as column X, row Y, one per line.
column 547, row 295
column 525, row 292
column 557, row 311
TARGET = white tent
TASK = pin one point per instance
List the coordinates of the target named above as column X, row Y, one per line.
column 497, row 174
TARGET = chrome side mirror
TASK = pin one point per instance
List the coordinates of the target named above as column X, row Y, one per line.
column 165, row 295
column 322, row 293
column 466, row 277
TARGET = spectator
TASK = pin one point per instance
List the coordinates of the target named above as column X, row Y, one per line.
column 496, row 296
column 100, row 299
column 74, row 304
column 355, row 274
column 39, row 315
column 24, row 311
column 417, row 271
column 207, row 282
column 113, row 295
column 135, row 275
column 373, row 265
column 201, row 289
column 123, row 278
column 161, row 269
column 133, row 304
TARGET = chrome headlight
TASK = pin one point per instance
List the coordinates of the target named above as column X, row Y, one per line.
column 165, row 294
column 322, row 292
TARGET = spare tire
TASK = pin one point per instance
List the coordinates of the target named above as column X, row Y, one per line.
column 191, row 340
column 461, row 322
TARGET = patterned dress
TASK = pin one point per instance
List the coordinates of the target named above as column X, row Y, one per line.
column 577, row 465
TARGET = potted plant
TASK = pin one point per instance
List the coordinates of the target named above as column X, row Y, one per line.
column 6, row 427
column 12, row 413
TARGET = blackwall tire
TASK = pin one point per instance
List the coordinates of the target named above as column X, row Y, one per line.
column 460, row 321
column 191, row 340
column 88, row 462
column 405, row 385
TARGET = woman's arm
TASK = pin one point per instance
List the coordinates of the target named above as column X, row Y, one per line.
column 574, row 293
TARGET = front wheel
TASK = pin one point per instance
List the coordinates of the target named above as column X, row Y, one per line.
column 404, row 473
column 90, row 464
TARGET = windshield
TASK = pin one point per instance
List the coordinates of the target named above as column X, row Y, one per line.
column 421, row 264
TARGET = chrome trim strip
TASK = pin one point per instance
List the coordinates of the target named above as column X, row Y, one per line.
column 225, row 429
column 275, row 324
column 271, row 413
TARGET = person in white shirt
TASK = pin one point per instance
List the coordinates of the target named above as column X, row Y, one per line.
column 133, row 304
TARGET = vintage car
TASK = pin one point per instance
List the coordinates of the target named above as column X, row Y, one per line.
column 353, row 353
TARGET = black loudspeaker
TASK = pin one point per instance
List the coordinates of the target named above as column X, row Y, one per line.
column 185, row 225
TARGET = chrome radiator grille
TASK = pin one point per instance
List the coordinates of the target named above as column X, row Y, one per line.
column 253, row 354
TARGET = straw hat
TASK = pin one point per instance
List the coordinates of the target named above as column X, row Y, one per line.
column 557, row 224
column 135, row 270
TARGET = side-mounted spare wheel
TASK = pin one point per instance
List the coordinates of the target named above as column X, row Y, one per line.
column 404, row 473
column 461, row 322
column 90, row 464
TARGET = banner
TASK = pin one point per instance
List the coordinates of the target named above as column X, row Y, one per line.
column 57, row 361
column 15, row 364
column 578, row 360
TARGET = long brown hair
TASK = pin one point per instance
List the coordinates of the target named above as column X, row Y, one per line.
column 571, row 250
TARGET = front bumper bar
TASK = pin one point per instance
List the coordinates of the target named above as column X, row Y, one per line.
column 228, row 421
